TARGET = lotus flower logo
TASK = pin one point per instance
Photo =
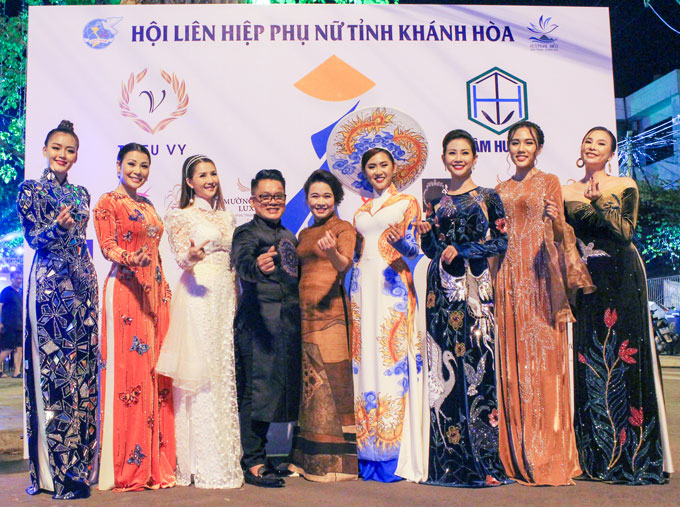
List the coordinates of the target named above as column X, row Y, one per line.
column 542, row 29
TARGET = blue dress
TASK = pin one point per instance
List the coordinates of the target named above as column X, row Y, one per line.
column 61, row 344
column 460, row 339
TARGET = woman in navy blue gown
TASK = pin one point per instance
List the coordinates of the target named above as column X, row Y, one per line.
column 61, row 327
column 464, row 228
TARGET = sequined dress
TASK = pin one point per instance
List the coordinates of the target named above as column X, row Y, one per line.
column 620, row 419
column 540, row 270
column 61, row 345
column 198, row 351
column 460, row 339
column 389, row 388
column 137, row 419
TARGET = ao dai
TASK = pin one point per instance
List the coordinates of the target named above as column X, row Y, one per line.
column 537, row 442
column 386, row 346
column 620, row 417
column 198, row 351
column 461, row 341
column 61, row 340
column 137, row 427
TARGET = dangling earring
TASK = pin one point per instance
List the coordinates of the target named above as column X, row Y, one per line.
column 580, row 162
column 609, row 168
column 191, row 195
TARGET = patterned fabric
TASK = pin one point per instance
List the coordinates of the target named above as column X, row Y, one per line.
column 536, row 434
column 324, row 447
column 386, row 347
column 137, row 420
column 198, row 351
column 61, row 344
column 460, row 339
column 619, row 409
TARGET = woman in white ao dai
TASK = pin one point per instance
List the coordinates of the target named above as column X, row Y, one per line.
column 198, row 352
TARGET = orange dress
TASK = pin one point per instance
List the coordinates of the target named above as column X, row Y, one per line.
column 137, row 420
column 541, row 267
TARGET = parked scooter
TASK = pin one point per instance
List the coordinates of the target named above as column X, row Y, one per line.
column 666, row 339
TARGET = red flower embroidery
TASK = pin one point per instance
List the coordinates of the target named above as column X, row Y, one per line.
column 622, row 437
column 501, row 225
column 636, row 417
column 582, row 358
column 493, row 418
column 610, row 318
column 626, row 354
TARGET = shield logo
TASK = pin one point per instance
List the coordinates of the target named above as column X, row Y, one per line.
column 496, row 100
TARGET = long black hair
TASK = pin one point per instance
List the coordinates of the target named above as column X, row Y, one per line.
column 187, row 195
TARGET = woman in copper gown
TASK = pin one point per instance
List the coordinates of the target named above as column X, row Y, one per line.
column 324, row 446
column 540, row 269
column 620, row 419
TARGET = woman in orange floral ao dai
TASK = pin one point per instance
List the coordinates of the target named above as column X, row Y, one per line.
column 536, row 438
column 137, row 422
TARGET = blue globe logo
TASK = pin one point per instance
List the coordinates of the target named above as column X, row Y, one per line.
column 99, row 33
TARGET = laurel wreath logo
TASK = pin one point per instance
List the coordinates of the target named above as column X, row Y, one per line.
column 178, row 87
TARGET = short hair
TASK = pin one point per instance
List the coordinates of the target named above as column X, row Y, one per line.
column 65, row 127
column 369, row 154
column 15, row 273
column 187, row 193
column 536, row 131
column 132, row 147
column 266, row 174
column 600, row 128
column 321, row 176
column 459, row 134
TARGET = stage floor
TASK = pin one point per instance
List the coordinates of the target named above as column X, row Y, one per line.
column 13, row 480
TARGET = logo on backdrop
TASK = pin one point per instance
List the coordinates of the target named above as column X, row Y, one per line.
column 433, row 188
column 497, row 99
column 145, row 99
column 544, row 38
column 99, row 33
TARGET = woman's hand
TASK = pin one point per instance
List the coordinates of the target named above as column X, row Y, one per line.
column 327, row 242
column 423, row 227
column 393, row 233
column 449, row 254
column 592, row 191
column 197, row 254
column 551, row 210
column 140, row 258
column 64, row 218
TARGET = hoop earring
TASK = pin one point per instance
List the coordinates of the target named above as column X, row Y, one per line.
column 580, row 162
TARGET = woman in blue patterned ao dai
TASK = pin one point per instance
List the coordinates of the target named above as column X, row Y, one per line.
column 61, row 326
column 464, row 228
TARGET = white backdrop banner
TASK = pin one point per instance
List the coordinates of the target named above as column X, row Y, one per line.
column 258, row 87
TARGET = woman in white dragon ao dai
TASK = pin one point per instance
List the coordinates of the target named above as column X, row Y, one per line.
column 386, row 351
column 198, row 352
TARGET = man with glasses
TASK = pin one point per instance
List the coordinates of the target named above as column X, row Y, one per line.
column 267, row 326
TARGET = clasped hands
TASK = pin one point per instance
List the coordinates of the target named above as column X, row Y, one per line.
column 449, row 252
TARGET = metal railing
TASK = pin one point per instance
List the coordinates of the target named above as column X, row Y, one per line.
column 665, row 291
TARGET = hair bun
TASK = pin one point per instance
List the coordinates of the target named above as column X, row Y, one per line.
column 66, row 125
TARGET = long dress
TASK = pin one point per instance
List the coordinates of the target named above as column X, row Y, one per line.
column 324, row 445
column 540, row 269
column 620, row 416
column 266, row 334
column 198, row 351
column 389, row 389
column 61, row 345
column 137, row 419
column 460, row 339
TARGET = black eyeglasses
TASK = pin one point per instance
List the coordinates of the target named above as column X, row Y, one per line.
column 267, row 198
